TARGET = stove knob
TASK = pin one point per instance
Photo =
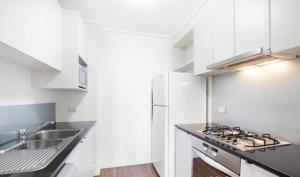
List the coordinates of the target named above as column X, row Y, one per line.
column 214, row 153
column 205, row 147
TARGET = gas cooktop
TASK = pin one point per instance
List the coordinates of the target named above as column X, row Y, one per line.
column 240, row 139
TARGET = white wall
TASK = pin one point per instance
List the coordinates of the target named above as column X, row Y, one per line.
column 85, row 103
column 127, row 65
column 188, row 25
column 16, row 86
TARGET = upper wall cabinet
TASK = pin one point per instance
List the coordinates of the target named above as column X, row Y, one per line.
column 203, row 40
column 214, row 34
column 74, row 55
column 252, row 25
column 30, row 33
column 285, row 24
column 223, row 29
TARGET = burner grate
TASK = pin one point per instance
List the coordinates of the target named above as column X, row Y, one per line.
column 236, row 136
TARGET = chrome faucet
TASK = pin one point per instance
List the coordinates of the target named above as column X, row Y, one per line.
column 22, row 134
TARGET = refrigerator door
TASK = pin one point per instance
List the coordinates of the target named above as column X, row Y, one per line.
column 160, row 89
column 187, row 98
column 158, row 140
column 187, row 104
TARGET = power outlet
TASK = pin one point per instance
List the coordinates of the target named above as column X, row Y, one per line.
column 72, row 109
column 221, row 110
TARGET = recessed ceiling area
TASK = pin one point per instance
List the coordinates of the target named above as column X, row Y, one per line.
column 145, row 16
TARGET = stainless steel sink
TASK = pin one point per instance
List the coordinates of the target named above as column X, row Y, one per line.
column 37, row 151
column 53, row 134
column 41, row 144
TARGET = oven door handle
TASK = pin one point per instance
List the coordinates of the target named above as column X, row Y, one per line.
column 214, row 164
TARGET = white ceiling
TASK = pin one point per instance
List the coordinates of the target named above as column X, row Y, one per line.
column 144, row 16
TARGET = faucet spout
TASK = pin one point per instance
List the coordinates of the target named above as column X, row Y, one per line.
column 22, row 134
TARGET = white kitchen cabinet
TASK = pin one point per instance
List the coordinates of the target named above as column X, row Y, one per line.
column 183, row 154
column 83, row 155
column 30, row 33
column 203, row 39
column 223, row 30
column 182, row 54
column 285, row 24
column 82, row 39
column 252, row 25
column 251, row 170
column 74, row 52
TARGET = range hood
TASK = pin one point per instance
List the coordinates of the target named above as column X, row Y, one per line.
column 253, row 58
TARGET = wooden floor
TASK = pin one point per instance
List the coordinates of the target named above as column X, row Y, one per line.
column 145, row 170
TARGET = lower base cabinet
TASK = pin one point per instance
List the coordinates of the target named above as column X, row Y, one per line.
column 83, row 155
column 251, row 170
column 183, row 154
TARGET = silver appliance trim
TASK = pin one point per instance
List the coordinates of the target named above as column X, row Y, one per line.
column 239, row 59
column 253, row 58
column 229, row 161
column 213, row 163
column 83, row 72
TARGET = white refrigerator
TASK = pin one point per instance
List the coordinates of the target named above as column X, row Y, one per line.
column 177, row 98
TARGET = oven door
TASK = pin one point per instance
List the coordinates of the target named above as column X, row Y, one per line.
column 204, row 166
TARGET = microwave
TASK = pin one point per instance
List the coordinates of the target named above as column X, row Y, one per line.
column 83, row 77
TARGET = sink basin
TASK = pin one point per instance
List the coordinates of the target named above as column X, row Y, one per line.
column 53, row 134
column 38, row 151
column 32, row 145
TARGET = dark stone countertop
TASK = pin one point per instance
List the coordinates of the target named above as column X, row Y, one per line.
column 282, row 161
column 55, row 166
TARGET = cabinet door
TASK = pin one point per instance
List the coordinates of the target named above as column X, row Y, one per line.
column 83, row 155
column 251, row 170
column 89, row 153
column 50, row 34
column 223, row 30
column 20, row 25
column 183, row 154
column 285, row 24
column 203, row 40
column 76, row 157
column 32, row 27
column 252, row 25
column 82, row 40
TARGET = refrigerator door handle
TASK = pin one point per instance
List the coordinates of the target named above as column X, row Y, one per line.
column 160, row 105
column 151, row 103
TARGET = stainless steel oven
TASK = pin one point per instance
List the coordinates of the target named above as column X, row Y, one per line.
column 210, row 161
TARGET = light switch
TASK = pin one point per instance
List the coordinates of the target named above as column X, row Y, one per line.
column 221, row 110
